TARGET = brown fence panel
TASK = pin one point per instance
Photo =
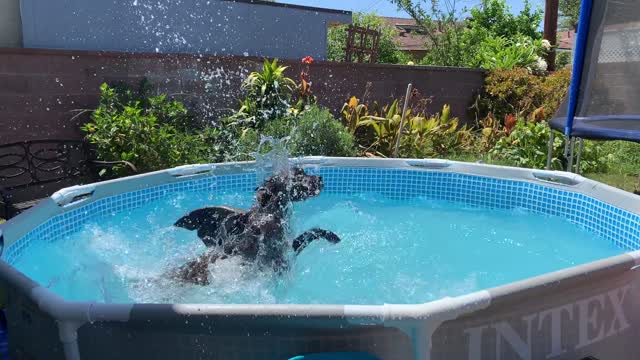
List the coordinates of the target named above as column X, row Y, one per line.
column 42, row 90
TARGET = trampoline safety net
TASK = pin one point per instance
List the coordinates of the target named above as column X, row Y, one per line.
column 608, row 100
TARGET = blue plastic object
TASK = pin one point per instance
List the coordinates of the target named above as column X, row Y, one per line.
column 336, row 356
column 578, row 62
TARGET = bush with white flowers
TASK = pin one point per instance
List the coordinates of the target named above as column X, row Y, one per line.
column 507, row 53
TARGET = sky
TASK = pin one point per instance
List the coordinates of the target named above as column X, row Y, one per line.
column 385, row 8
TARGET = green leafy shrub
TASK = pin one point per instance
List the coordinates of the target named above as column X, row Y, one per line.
column 422, row 136
column 268, row 94
column 527, row 144
column 314, row 132
column 353, row 114
column 496, row 17
column 152, row 133
column 317, row 132
column 454, row 41
column 496, row 52
column 437, row 136
column 624, row 156
column 526, row 95
column 563, row 59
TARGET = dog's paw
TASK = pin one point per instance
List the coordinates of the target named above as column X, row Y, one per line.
column 330, row 236
column 333, row 238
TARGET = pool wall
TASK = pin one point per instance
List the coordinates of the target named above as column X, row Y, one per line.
column 588, row 310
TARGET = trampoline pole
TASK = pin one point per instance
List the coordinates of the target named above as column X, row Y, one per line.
column 572, row 148
column 580, row 147
column 550, row 149
column 566, row 147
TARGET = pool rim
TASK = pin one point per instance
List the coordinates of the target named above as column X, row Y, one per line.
column 74, row 314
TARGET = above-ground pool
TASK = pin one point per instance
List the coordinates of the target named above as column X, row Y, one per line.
column 438, row 260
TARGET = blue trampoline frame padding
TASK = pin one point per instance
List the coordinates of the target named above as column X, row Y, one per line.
column 597, row 126
column 617, row 127
column 578, row 63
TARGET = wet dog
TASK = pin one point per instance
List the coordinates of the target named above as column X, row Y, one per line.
column 258, row 235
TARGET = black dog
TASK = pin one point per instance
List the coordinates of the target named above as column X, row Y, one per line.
column 257, row 235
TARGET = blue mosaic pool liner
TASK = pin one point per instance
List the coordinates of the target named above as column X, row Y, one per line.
column 614, row 224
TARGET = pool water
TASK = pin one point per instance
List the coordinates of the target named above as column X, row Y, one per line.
column 392, row 251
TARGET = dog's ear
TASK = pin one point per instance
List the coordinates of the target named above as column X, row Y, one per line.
column 263, row 196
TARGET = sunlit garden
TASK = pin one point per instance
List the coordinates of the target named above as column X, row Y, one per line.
column 261, row 179
column 519, row 96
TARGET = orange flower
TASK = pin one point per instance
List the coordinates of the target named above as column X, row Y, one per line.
column 307, row 60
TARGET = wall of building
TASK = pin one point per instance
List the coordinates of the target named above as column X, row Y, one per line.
column 42, row 91
column 10, row 24
column 217, row 27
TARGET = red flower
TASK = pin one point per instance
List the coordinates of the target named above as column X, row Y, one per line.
column 307, row 60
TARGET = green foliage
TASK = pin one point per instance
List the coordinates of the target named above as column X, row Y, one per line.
column 527, row 145
column 496, row 18
column 498, row 39
column 388, row 49
column 268, row 94
column 386, row 126
column 152, row 133
column 563, row 59
column 353, row 114
column 519, row 92
column 595, row 158
column 440, row 23
column 313, row 132
column 436, row 136
column 456, row 42
column 422, row 136
column 491, row 130
column 317, row 132
column 569, row 13
column 624, row 156
column 501, row 53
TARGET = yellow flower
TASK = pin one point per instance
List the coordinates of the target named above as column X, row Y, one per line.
column 353, row 102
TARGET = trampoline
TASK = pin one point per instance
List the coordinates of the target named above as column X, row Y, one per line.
column 604, row 96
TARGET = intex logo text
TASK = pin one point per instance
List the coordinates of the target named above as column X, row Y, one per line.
column 591, row 326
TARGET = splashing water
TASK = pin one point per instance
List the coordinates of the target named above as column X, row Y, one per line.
column 275, row 160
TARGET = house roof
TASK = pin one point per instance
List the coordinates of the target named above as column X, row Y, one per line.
column 410, row 37
column 293, row 6
column 565, row 39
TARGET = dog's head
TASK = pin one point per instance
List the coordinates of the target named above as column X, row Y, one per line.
column 295, row 185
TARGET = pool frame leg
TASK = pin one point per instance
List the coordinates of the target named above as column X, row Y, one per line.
column 69, row 337
column 550, row 149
